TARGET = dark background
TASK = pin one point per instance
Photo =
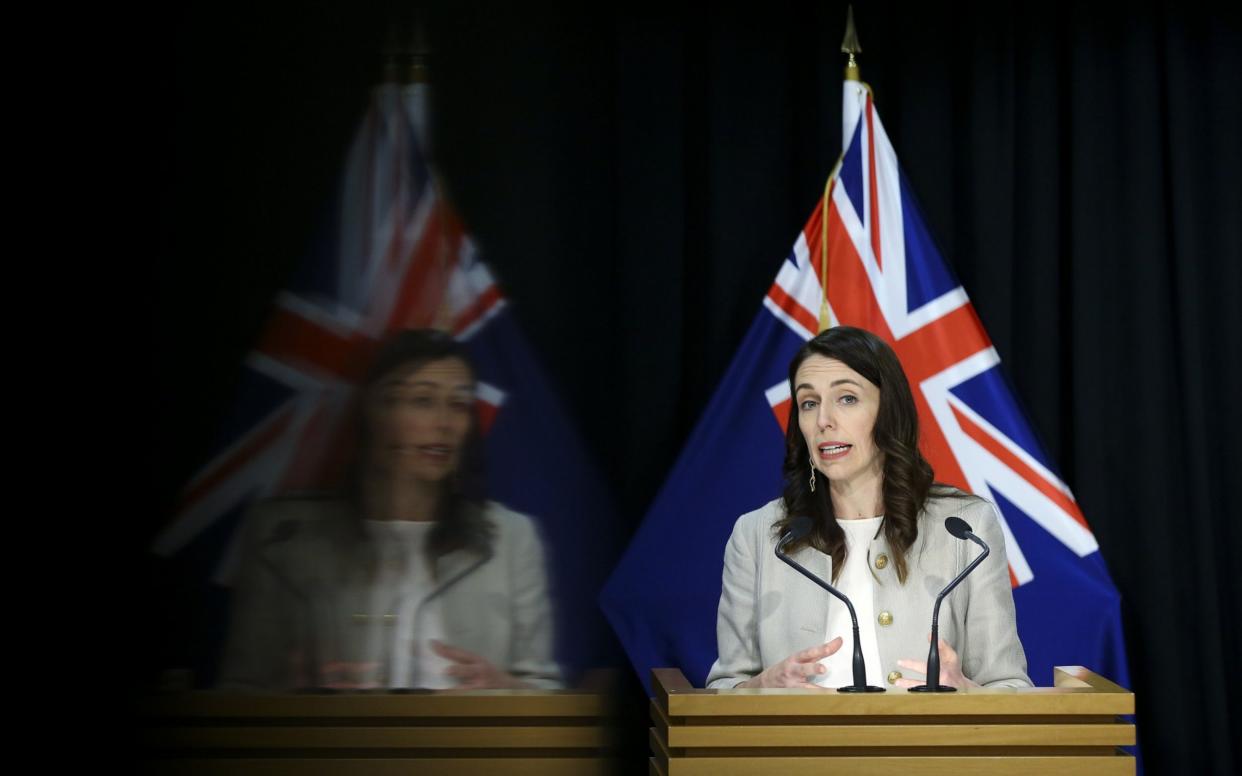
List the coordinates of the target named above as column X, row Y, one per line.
column 635, row 179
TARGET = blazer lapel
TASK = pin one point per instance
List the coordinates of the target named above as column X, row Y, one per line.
column 452, row 567
column 804, row 604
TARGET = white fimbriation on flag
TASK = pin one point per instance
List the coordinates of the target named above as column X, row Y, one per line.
column 878, row 218
column 388, row 208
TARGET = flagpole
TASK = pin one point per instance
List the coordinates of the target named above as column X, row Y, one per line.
column 420, row 52
column 850, row 46
column 417, row 71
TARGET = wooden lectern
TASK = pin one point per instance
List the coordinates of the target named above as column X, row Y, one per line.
column 482, row 732
column 1070, row 728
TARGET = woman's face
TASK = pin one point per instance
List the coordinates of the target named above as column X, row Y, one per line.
column 837, row 408
column 418, row 419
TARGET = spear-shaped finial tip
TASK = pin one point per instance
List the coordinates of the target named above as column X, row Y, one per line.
column 420, row 51
column 850, row 45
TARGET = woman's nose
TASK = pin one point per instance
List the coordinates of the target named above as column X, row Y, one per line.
column 825, row 416
column 443, row 416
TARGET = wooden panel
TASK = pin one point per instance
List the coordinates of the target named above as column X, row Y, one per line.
column 670, row 679
column 666, row 681
column 431, row 737
column 659, row 746
column 481, row 703
column 837, row 752
column 658, row 717
column 375, row 767
column 360, row 734
column 1077, row 676
column 1068, row 729
column 894, row 720
column 887, row 766
column 1028, row 702
column 661, row 755
column 1079, row 691
column 902, row 736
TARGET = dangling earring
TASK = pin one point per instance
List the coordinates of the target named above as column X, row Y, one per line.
column 812, row 460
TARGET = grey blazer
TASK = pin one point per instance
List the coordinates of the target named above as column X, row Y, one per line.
column 298, row 598
column 768, row 611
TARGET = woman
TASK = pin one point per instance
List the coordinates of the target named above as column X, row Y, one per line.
column 852, row 464
column 412, row 579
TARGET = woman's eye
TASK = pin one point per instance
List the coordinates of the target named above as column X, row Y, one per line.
column 391, row 400
column 848, row 399
column 807, row 404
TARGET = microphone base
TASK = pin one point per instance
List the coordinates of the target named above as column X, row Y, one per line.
column 318, row 690
column 864, row 688
column 926, row 688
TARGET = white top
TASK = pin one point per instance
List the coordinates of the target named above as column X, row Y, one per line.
column 403, row 622
column 856, row 582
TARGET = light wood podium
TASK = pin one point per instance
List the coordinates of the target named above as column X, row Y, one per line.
column 1070, row 728
column 482, row 732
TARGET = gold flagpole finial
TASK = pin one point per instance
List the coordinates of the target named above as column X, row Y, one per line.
column 851, row 46
column 420, row 52
column 406, row 51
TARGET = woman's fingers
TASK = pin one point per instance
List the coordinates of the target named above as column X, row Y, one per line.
column 455, row 654
column 917, row 666
column 818, row 653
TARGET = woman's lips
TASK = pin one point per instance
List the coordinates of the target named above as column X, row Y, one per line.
column 832, row 451
column 432, row 452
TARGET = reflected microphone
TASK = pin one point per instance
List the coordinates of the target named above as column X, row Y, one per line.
column 961, row 530
column 798, row 529
column 285, row 531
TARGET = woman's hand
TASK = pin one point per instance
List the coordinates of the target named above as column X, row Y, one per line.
column 345, row 675
column 797, row 670
column 474, row 672
column 950, row 668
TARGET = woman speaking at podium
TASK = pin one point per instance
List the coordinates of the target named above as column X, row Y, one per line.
column 852, row 465
column 410, row 578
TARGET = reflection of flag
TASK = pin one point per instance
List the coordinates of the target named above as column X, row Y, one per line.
column 398, row 258
column 883, row 273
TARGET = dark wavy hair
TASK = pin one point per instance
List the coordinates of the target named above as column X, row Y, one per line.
column 460, row 521
column 908, row 477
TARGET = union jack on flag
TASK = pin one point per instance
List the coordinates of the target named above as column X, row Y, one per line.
column 398, row 257
column 866, row 259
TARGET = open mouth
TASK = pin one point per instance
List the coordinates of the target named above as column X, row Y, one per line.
column 434, row 452
column 833, row 450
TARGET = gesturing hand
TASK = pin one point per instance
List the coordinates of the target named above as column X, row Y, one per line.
column 475, row 672
column 950, row 668
column 797, row 670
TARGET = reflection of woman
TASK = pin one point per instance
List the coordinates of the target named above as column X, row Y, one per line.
column 852, row 464
column 413, row 580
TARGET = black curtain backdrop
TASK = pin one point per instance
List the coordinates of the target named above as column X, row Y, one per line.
column 635, row 179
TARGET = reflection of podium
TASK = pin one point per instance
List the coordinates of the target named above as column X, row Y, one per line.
column 1071, row 728
column 426, row 733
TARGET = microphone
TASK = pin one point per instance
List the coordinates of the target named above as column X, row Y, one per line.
column 961, row 530
column 283, row 532
column 798, row 529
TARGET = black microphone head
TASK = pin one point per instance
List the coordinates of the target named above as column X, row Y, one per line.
column 957, row 526
column 799, row 528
